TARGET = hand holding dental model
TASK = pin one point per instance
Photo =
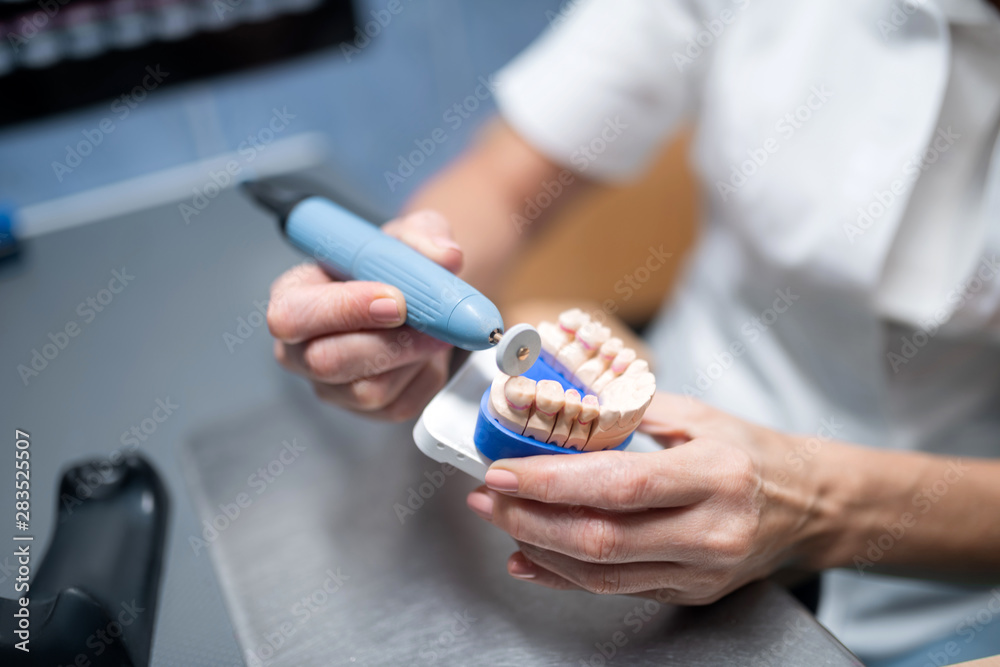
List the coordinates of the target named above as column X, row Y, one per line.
column 718, row 507
column 721, row 505
column 349, row 339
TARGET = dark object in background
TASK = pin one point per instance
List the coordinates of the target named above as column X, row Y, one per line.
column 808, row 593
column 8, row 243
column 94, row 594
column 56, row 55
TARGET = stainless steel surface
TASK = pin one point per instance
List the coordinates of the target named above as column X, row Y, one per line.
column 360, row 551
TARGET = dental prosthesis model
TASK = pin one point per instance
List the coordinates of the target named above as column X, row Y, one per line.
column 586, row 392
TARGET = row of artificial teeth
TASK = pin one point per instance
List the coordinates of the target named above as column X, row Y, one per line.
column 569, row 347
column 543, row 411
column 584, row 352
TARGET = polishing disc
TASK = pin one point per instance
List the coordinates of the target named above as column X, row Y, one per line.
column 518, row 349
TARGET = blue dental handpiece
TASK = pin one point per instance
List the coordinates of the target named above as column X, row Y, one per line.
column 348, row 247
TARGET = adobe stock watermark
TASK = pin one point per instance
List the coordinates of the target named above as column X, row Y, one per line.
column 105, row 470
column 967, row 629
column 773, row 655
column 630, row 283
column 121, row 107
column 567, row 9
column 88, row 310
column 302, row 611
column 97, row 475
column 922, row 503
column 259, row 482
column 139, row 433
column 786, row 127
column 381, row 363
column 882, row 201
column 582, row 158
column 418, row 495
column 101, row 640
column 635, row 620
column 457, row 625
column 364, row 34
column 7, row 569
column 909, row 346
column 453, row 118
column 313, row 603
column 806, row 450
column 751, row 330
column 248, row 150
column 711, row 30
column 31, row 23
column 246, row 326
column 899, row 14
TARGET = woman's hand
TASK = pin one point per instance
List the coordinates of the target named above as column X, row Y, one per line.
column 348, row 337
column 714, row 510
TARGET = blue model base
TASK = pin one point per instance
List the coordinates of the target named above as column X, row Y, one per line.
column 497, row 442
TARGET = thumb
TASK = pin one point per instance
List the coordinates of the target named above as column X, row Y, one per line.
column 670, row 418
column 429, row 233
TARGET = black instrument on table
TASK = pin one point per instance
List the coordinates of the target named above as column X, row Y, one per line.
column 94, row 594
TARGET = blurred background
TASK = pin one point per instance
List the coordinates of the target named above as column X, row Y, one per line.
column 118, row 122
column 370, row 99
column 358, row 86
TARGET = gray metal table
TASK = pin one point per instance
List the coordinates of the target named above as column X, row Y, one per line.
column 317, row 568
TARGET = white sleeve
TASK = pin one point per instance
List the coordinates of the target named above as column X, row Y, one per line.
column 600, row 90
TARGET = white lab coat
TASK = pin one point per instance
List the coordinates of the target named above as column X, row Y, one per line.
column 775, row 320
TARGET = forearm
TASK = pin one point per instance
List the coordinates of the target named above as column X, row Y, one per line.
column 909, row 513
column 483, row 192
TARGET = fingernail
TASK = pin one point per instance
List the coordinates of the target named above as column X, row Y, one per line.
column 445, row 243
column 384, row 310
column 481, row 504
column 501, row 480
column 521, row 567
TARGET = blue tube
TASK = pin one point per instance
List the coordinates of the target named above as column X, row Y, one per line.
column 437, row 302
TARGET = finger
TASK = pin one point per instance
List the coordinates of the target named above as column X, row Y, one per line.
column 306, row 311
column 300, row 275
column 429, row 233
column 590, row 535
column 674, row 419
column 602, row 579
column 369, row 395
column 609, row 479
column 432, row 376
column 519, row 567
column 428, row 379
column 361, row 355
